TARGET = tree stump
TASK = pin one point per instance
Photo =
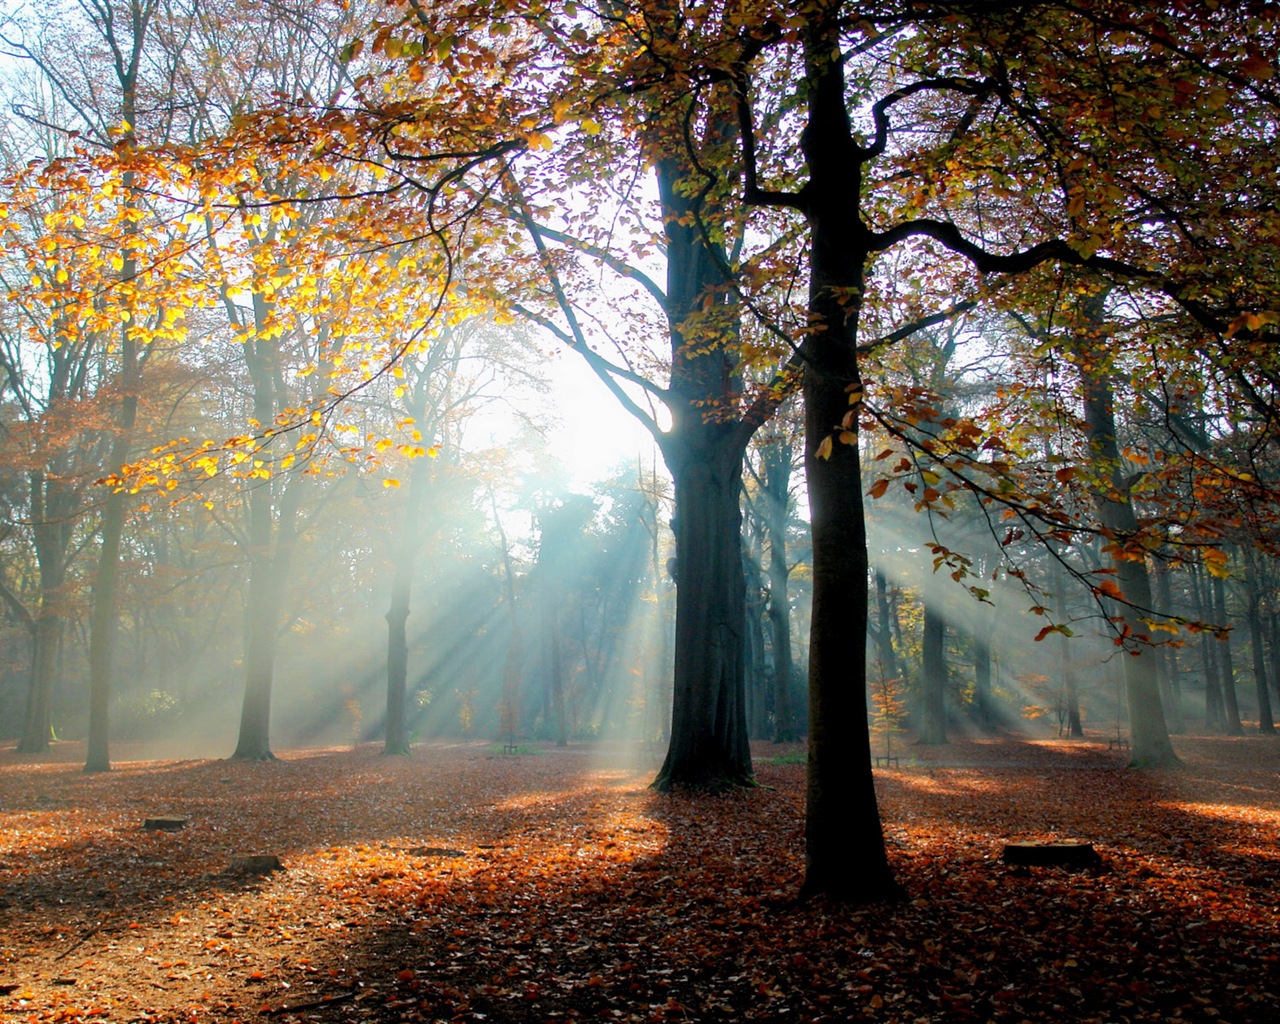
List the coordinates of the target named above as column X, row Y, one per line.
column 255, row 864
column 1045, row 853
column 165, row 823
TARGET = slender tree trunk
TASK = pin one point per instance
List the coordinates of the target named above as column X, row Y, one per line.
column 1230, row 700
column 776, row 465
column 1266, row 724
column 396, row 739
column 1148, row 731
column 555, row 665
column 933, row 678
column 102, row 618
column 982, row 680
column 845, row 857
column 758, row 679
column 513, row 663
column 1167, row 667
column 1070, row 684
column 885, row 653
column 37, row 725
column 1214, row 708
column 51, row 533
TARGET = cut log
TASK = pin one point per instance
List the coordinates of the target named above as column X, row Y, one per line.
column 1043, row 853
column 165, row 823
column 255, row 864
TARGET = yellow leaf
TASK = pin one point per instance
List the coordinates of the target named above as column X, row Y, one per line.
column 389, row 482
column 824, row 449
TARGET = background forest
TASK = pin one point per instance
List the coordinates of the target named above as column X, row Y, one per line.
column 290, row 289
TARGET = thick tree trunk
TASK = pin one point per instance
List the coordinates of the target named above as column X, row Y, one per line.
column 933, row 679
column 709, row 748
column 704, row 452
column 262, row 615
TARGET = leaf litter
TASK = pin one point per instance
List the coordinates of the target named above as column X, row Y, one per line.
column 460, row 885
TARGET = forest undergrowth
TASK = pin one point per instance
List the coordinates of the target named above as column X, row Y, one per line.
column 462, row 884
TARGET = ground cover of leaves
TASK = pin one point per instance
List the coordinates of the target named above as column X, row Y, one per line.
column 462, row 884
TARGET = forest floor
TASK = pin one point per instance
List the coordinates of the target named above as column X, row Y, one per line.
column 462, row 884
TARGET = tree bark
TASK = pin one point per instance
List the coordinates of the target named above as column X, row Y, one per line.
column 709, row 748
column 776, row 478
column 704, row 452
column 1149, row 734
column 845, row 857
column 396, row 737
column 270, row 549
column 1230, row 700
column 1266, row 723
column 933, row 673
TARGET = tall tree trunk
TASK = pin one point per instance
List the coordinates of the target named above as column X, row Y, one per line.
column 1167, row 667
column 1215, row 718
column 982, row 679
column 555, row 668
column 755, row 666
column 37, row 726
column 933, row 679
column 1070, row 684
column 776, row 471
column 106, row 581
column 1148, row 732
column 268, row 571
column 704, row 452
column 1266, row 724
column 396, row 738
column 52, row 520
column 845, row 857
column 1230, row 700
column 885, row 653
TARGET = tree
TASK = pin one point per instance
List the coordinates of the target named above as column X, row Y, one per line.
column 712, row 422
column 964, row 100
